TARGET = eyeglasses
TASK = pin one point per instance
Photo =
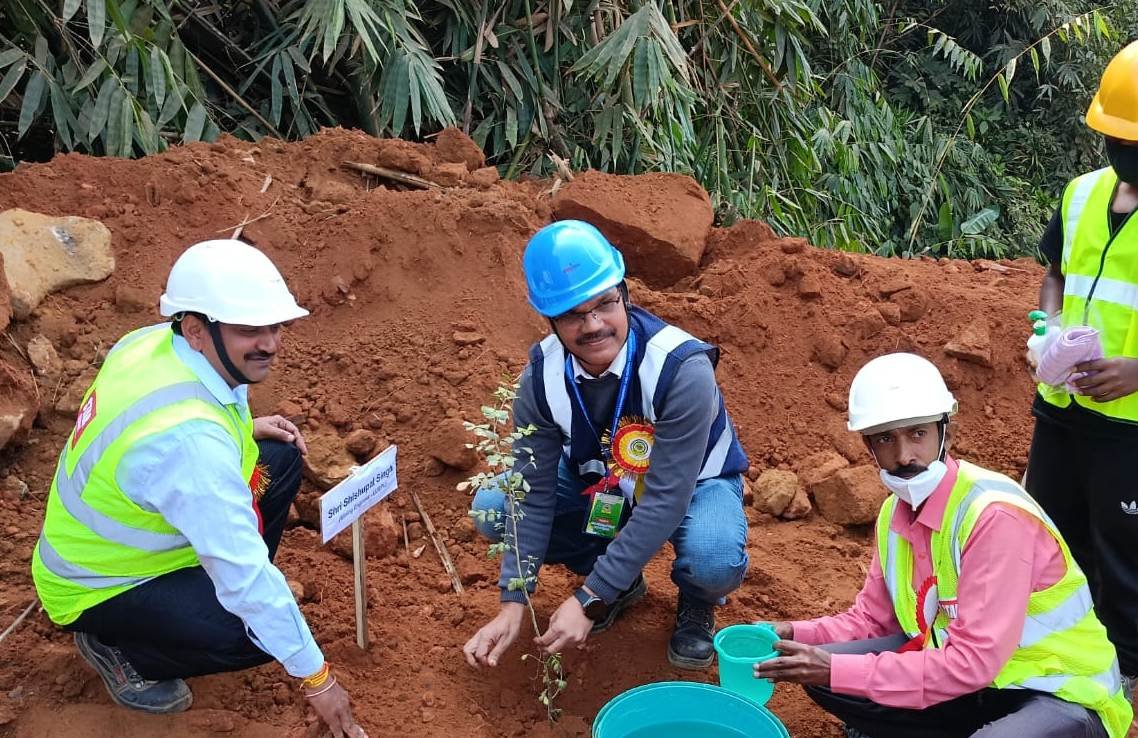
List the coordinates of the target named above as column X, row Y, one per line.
column 602, row 310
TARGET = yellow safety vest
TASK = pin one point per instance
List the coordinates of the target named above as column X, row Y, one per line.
column 96, row 542
column 1063, row 649
column 1101, row 269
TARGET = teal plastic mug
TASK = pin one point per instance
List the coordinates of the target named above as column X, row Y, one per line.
column 740, row 647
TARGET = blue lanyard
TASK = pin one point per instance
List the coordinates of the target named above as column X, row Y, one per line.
column 621, row 395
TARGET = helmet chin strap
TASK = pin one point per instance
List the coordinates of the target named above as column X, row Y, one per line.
column 219, row 346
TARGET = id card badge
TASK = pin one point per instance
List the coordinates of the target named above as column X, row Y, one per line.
column 603, row 519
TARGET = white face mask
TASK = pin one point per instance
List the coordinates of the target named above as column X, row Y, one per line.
column 919, row 488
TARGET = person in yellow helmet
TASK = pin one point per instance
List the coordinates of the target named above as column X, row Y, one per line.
column 1081, row 465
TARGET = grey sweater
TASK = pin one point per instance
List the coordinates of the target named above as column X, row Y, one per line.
column 682, row 432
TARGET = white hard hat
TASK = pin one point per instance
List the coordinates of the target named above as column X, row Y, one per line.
column 896, row 391
column 231, row 282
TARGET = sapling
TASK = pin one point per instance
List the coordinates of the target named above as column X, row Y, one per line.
column 504, row 473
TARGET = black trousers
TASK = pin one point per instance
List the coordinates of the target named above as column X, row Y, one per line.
column 989, row 713
column 173, row 626
column 1088, row 486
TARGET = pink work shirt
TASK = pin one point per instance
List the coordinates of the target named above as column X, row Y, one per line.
column 1009, row 555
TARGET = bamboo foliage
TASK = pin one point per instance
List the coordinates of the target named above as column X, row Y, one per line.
column 943, row 126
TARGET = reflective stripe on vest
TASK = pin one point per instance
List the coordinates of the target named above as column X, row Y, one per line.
column 70, row 488
column 1109, row 290
column 667, row 340
column 96, row 541
column 60, row 567
column 1073, row 211
column 1100, row 287
column 1110, row 680
column 1037, row 626
column 133, row 336
column 1060, row 629
column 656, row 352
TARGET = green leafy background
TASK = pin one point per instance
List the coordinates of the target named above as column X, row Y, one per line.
column 899, row 128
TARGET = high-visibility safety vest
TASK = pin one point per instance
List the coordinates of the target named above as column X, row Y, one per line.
column 1063, row 649
column 96, row 542
column 1098, row 270
column 660, row 349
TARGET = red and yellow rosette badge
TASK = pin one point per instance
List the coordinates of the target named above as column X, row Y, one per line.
column 631, row 449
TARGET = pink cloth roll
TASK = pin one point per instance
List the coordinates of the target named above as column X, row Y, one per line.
column 1070, row 348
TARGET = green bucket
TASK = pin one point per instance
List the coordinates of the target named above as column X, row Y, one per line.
column 740, row 647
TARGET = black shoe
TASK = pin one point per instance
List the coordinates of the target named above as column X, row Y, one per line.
column 627, row 599
column 692, row 644
column 125, row 685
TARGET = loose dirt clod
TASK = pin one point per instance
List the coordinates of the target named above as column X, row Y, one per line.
column 775, row 490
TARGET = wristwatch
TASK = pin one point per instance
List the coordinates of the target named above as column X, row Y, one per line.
column 594, row 607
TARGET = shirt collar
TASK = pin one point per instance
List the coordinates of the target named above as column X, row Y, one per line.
column 616, row 368
column 208, row 376
column 931, row 514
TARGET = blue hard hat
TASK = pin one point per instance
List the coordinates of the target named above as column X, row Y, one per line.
column 567, row 263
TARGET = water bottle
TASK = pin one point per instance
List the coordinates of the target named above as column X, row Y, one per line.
column 1039, row 338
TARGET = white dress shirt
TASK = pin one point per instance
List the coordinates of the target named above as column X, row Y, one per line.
column 191, row 475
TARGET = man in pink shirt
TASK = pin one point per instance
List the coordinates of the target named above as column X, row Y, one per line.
column 974, row 619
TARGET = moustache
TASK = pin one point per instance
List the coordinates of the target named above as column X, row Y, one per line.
column 258, row 356
column 596, row 336
column 908, row 470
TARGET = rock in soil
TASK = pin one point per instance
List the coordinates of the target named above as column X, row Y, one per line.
column 829, row 351
column 468, row 338
column 382, row 535
column 131, row 299
column 973, row 343
column 328, row 461
column 447, row 443
column 70, row 400
column 891, row 312
column 360, row 443
column 43, row 356
column 774, row 491
column 851, row 496
column 911, row 305
column 799, row 507
column 452, row 145
column 846, row 266
column 43, row 254
column 820, row 466
column 659, row 221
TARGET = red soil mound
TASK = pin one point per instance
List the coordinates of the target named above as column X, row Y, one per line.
column 392, row 276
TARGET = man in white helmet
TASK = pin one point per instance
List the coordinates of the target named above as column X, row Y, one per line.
column 974, row 619
column 169, row 499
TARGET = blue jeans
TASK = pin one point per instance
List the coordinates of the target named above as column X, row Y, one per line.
column 710, row 542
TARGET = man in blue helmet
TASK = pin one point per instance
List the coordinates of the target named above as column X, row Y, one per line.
column 610, row 390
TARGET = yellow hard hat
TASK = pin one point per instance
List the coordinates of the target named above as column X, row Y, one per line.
column 1114, row 111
